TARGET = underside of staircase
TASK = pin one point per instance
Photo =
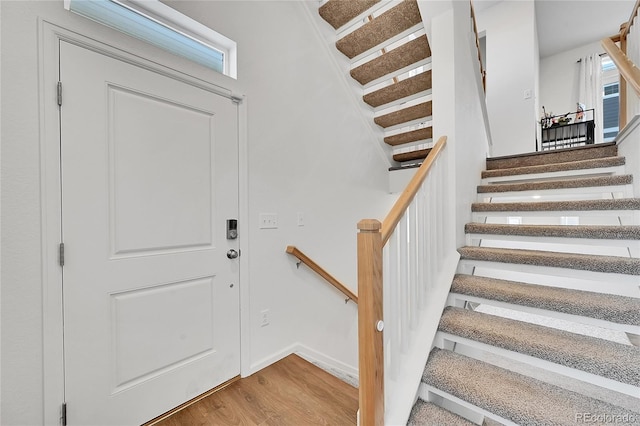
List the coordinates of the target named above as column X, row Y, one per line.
column 546, row 302
column 390, row 59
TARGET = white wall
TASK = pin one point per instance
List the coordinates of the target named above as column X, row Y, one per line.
column 559, row 78
column 309, row 151
column 511, row 69
column 457, row 89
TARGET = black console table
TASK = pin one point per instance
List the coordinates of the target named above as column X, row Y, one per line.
column 566, row 131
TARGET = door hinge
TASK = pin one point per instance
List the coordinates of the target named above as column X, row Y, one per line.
column 63, row 414
column 59, row 93
column 61, row 254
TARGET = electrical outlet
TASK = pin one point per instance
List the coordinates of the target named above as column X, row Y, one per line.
column 264, row 318
column 268, row 221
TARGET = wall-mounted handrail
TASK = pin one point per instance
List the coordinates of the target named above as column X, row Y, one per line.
column 483, row 72
column 294, row 251
column 400, row 207
column 408, row 215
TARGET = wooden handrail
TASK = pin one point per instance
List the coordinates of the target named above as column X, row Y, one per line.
column 483, row 72
column 626, row 68
column 625, row 31
column 294, row 251
column 395, row 214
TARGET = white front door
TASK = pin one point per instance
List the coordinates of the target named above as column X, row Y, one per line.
column 149, row 179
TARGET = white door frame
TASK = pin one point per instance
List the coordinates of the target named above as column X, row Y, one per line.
column 95, row 37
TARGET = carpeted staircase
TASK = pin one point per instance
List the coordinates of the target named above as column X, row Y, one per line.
column 390, row 59
column 547, row 292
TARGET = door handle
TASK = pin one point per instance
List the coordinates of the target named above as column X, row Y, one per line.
column 232, row 254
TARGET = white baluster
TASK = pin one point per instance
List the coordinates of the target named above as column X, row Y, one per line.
column 412, row 238
column 403, row 312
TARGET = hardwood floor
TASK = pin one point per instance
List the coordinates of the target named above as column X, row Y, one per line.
column 290, row 392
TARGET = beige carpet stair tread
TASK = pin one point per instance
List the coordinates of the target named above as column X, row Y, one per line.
column 402, row 89
column 556, row 156
column 428, row 414
column 603, row 358
column 391, row 23
column 558, row 206
column 520, row 399
column 602, row 306
column 584, row 262
column 595, row 163
column 422, row 110
column 585, row 182
column 339, row 12
column 411, row 136
column 419, row 154
column 607, row 232
column 393, row 60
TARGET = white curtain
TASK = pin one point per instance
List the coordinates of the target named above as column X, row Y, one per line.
column 590, row 89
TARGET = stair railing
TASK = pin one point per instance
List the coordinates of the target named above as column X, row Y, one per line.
column 483, row 72
column 625, row 57
column 399, row 260
column 303, row 258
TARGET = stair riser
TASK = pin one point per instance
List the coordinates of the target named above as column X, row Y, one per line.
column 560, row 244
column 478, row 349
column 625, row 217
column 456, row 299
column 414, row 86
column 426, row 63
column 624, row 191
column 399, row 75
column 614, row 281
column 414, row 146
column 398, row 128
column 426, row 391
column 425, row 95
column 562, row 156
column 590, row 182
column 605, row 171
column 602, row 204
column 358, row 58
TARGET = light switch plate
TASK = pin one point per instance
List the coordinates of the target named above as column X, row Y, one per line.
column 268, row 221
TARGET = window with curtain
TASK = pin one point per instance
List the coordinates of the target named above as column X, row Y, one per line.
column 610, row 100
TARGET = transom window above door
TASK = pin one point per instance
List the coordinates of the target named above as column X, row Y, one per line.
column 164, row 27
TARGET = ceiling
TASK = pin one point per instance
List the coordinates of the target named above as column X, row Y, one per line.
column 566, row 24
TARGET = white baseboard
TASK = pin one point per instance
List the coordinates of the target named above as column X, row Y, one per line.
column 339, row 369
column 272, row 359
